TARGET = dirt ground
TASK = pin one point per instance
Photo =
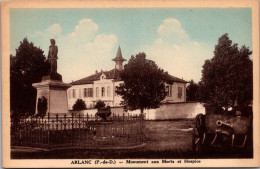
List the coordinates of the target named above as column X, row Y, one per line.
column 162, row 139
column 173, row 136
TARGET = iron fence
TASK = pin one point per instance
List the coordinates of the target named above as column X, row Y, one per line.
column 76, row 130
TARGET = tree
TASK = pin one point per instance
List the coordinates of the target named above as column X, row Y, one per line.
column 227, row 78
column 100, row 104
column 26, row 67
column 79, row 105
column 144, row 84
column 192, row 91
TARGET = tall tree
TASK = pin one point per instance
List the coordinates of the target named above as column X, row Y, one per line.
column 227, row 78
column 26, row 67
column 192, row 91
column 144, row 84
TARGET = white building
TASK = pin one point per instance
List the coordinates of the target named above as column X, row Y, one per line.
column 102, row 85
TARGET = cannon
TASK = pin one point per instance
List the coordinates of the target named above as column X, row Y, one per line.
column 224, row 128
column 222, row 131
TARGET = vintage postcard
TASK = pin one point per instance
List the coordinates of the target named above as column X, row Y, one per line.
column 130, row 83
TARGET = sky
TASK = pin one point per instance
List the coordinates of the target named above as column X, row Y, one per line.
column 179, row 40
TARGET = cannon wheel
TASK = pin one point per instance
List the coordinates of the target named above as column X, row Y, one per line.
column 198, row 134
column 197, row 145
column 248, row 147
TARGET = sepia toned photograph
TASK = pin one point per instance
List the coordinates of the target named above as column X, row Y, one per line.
column 118, row 85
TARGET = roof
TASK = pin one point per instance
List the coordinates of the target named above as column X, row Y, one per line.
column 112, row 74
column 176, row 79
column 115, row 74
column 119, row 56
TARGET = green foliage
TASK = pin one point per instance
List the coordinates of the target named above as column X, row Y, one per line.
column 42, row 106
column 26, row 67
column 192, row 91
column 228, row 76
column 144, row 84
column 79, row 105
column 100, row 104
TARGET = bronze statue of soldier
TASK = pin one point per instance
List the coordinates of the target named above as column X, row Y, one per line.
column 53, row 56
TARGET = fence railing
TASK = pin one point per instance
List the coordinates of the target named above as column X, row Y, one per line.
column 76, row 130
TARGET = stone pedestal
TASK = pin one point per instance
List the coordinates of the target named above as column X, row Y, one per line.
column 55, row 91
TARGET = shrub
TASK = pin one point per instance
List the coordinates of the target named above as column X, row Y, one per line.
column 100, row 104
column 79, row 105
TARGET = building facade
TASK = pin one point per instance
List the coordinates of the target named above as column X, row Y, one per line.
column 102, row 86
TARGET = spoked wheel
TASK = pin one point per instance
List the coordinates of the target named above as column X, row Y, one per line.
column 198, row 134
column 200, row 123
column 197, row 146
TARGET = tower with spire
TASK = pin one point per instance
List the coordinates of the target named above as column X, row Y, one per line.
column 119, row 59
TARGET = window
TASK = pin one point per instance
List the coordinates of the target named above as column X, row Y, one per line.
column 79, row 93
column 108, row 91
column 179, row 92
column 69, row 95
column 74, row 93
column 90, row 92
column 102, row 91
column 167, row 90
column 170, row 91
column 97, row 92
column 85, row 92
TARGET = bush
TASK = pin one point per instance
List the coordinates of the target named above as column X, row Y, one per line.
column 79, row 105
column 100, row 104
